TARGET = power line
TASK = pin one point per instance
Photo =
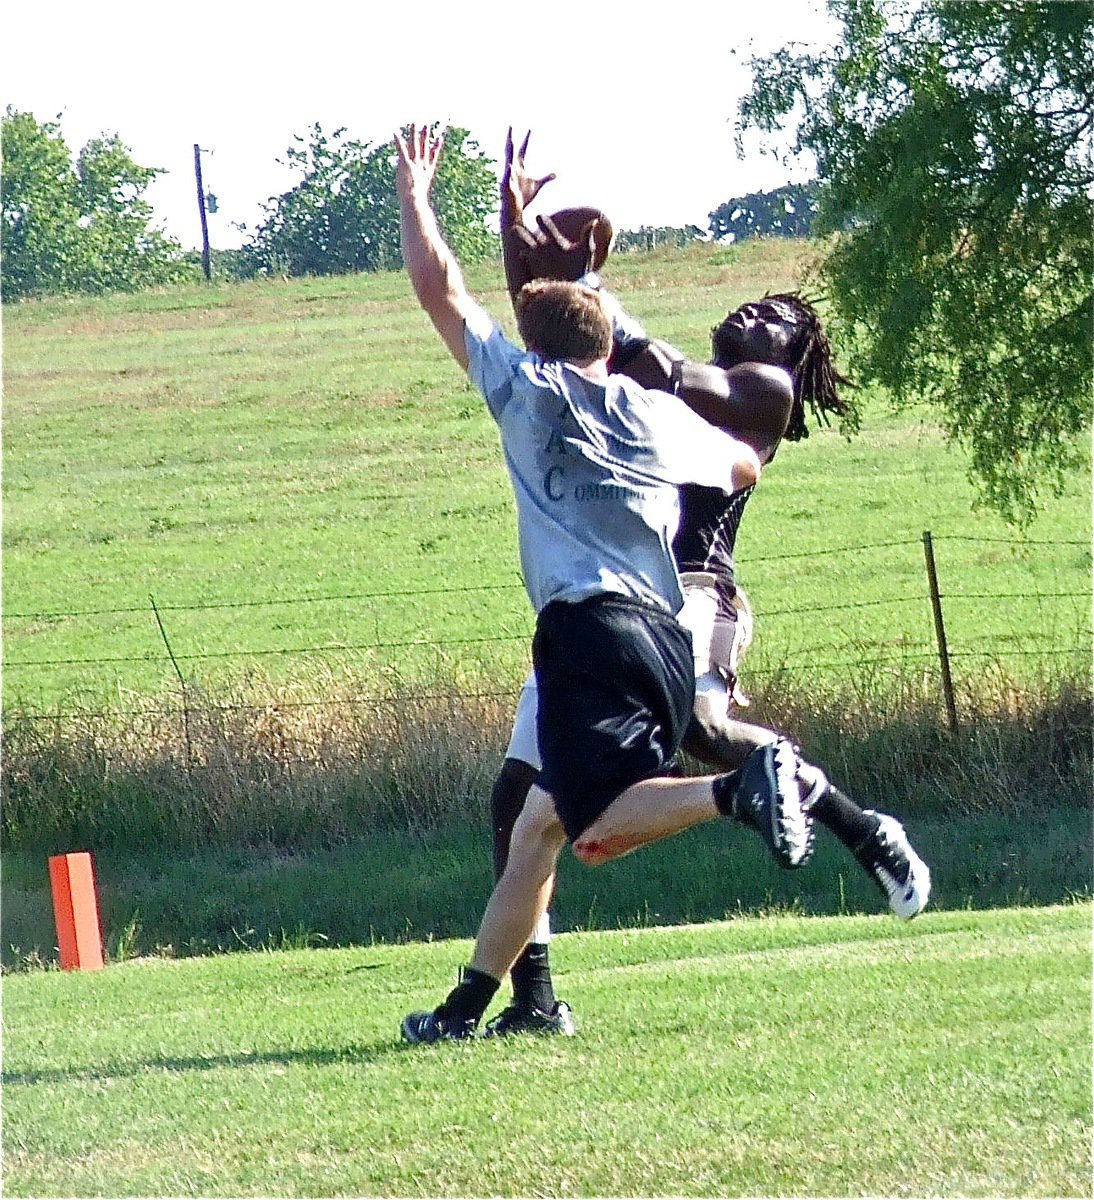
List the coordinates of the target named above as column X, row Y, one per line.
column 401, row 594
column 329, row 648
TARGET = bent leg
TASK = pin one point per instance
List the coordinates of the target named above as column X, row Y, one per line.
column 646, row 812
column 507, row 798
column 530, row 974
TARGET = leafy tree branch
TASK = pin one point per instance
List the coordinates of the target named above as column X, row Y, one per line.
column 953, row 143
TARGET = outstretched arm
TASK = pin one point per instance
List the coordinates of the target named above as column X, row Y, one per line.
column 431, row 265
column 518, row 190
column 751, row 401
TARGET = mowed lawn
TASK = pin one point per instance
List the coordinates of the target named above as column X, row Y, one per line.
column 299, row 479
column 778, row 1055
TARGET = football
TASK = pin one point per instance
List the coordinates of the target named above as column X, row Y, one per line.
column 572, row 222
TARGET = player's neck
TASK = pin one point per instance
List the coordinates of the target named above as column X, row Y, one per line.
column 595, row 369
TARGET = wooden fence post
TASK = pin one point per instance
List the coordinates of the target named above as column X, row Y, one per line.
column 940, row 633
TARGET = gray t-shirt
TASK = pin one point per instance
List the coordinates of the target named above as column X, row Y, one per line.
column 594, row 471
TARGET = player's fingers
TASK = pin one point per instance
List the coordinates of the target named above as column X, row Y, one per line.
column 552, row 232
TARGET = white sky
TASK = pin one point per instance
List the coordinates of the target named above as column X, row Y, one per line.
column 633, row 112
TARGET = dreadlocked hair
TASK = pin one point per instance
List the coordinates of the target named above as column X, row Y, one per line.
column 809, row 361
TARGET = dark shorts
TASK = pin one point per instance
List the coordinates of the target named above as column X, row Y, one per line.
column 616, row 685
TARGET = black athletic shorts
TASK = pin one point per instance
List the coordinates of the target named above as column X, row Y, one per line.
column 616, row 685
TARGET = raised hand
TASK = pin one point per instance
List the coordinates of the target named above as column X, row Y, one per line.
column 550, row 254
column 518, row 188
column 416, row 163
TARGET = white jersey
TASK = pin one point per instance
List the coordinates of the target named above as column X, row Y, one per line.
column 595, row 470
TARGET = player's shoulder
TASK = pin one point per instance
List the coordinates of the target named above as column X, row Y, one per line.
column 487, row 341
column 636, row 393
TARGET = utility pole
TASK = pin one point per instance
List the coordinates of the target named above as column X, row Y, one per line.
column 204, row 221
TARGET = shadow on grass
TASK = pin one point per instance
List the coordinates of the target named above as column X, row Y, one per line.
column 210, row 1062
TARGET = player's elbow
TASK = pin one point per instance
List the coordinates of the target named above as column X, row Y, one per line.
column 746, row 468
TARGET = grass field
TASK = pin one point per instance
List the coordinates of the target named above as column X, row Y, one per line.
column 276, row 510
column 778, row 1056
column 298, row 478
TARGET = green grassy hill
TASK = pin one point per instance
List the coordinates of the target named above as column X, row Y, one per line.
column 263, row 623
column 301, row 482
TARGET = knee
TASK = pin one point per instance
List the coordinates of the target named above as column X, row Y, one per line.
column 537, row 831
column 720, row 741
column 700, row 734
column 592, row 849
column 706, row 735
column 589, row 851
column 509, row 792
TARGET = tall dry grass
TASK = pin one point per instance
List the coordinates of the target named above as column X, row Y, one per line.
column 266, row 765
column 1019, row 746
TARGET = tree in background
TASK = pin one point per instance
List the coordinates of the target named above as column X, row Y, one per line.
column 785, row 212
column 77, row 227
column 343, row 215
column 649, row 237
column 953, row 143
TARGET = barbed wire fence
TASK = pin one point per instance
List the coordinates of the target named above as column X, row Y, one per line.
column 1064, row 642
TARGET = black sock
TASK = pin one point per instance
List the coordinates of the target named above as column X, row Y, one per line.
column 469, row 998
column 853, row 826
column 531, row 976
column 725, row 787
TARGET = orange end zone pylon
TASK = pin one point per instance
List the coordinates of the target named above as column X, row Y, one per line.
column 76, row 910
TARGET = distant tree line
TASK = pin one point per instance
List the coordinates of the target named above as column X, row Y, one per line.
column 343, row 215
column 783, row 212
column 77, row 226
column 650, row 237
column 83, row 224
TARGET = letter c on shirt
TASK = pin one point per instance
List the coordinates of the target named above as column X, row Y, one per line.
column 549, row 481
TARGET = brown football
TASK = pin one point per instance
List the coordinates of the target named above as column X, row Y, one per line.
column 571, row 223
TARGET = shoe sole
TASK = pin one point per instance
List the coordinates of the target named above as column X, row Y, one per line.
column 899, row 903
column 771, row 774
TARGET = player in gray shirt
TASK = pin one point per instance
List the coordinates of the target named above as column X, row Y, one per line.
column 595, row 463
